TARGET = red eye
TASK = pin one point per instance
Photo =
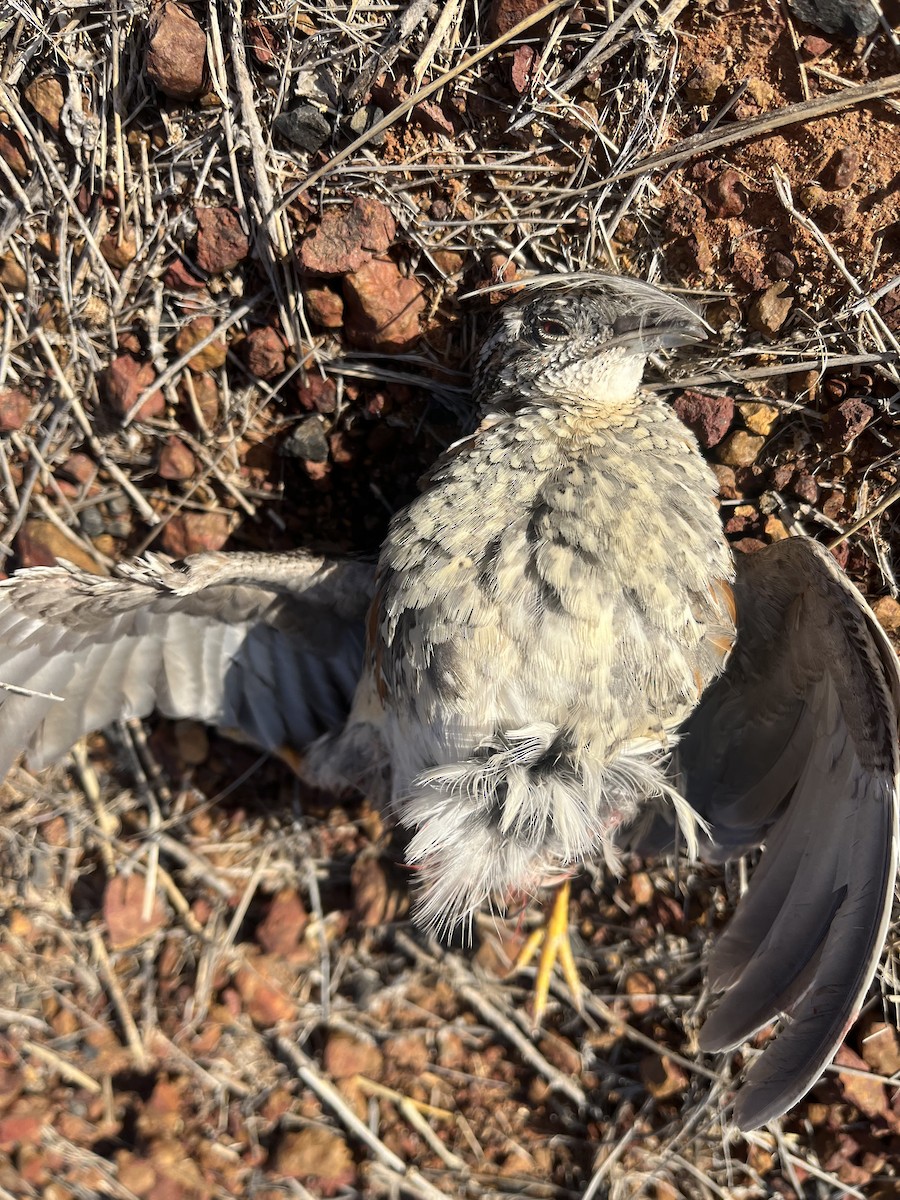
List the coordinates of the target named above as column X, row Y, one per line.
column 553, row 330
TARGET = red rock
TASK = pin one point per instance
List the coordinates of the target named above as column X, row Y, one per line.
column 282, row 928
column 346, row 1056
column 347, row 238
column 14, row 153
column 124, row 380
column 520, row 70
column 205, row 395
column 263, row 1000
column 843, row 168
column 705, row 82
column 319, row 1157
column 816, row 46
column 221, row 242
column 708, row 417
column 40, row 544
column 19, row 1130
column 123, row 911
column 432, row 118
column 849, row 419
column 264, row 351
column 191, row 533
column 881, row 1044
column 504, row 14
column 868, row 1095
column 181, row 278
column 324, row 307
column 45, row 95
column 383, row 307
column 176, row 461
column 176, row 59
column 15, row 409
column 408, row 1051
column 741, row 449
column 722, row 196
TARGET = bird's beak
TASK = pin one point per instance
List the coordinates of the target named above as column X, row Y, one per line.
column 667, row 321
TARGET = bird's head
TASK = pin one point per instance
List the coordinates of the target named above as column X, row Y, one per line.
column 583, row 337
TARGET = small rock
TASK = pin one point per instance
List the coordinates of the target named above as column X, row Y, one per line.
column 703, row 85
column 504, row 14
column 264, row 352
column 124, row 899
column 642, row 889
column 11, row 274
column 843, row 168
column 176, row 461
column 306, row 440
column 804, row 487
column 181, row 278
column 431, row 118
column 708, row 417
column 119, row 249
column 661, row 1077
column 846, row 18
column 849, row 419
column 347, row 238
column 759, row 418
column 770, row 309
column 14, row 153
column 781, row 266
column 887, row 612
column 346, row 1056
column 191, row 335
column 728, row 489
column 264, row 1001
column 813, row 197
column 124, row 380
column 774, row 529
column 282, row 927
column 722, row 313
column 221, row 242
column 317, row 394
column 722, row 196
column 319, row 1157
column 304, row 126
column 740, row 449
column 520, row 69
column 40, row 544
column 191, row 533
column 324, row 307
column 383, row 307
column 868, row 1095
column 15, row 409
column 45, row 95
column 642, row 990
column 176, row 61
column 815, row 46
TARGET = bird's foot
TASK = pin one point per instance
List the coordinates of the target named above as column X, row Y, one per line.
column 552, row 936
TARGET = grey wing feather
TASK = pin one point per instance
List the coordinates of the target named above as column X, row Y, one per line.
column 267, row 644
column 795, row 747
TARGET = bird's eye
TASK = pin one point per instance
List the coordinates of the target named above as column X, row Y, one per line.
column 552, row 331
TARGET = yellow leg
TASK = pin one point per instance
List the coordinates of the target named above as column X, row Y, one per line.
column 556, row 947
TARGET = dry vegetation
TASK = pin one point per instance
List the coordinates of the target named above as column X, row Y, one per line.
column 237, row 252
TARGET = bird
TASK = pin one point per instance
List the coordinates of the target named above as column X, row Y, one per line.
column 555, row 657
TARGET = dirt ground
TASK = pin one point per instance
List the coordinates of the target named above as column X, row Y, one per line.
column 243, row 262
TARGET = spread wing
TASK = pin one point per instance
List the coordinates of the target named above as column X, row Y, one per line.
column 795, row 748
column 267, row 644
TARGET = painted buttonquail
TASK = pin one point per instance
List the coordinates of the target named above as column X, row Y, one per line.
column 555, row 646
